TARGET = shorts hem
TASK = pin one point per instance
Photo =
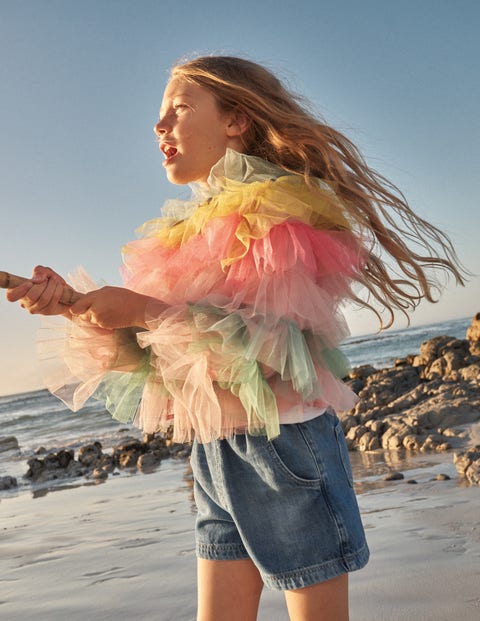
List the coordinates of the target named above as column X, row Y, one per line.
column 314, row 574
column 221, row 552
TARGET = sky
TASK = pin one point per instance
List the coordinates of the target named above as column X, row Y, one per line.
column 80, row 87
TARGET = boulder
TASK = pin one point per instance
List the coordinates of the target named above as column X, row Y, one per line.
column 8, row 443
column 8, row 482
column 90, row 454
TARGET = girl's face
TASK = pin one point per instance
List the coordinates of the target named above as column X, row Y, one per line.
column 193, row 133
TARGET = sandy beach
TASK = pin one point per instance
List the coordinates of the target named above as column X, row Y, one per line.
column 124, row 549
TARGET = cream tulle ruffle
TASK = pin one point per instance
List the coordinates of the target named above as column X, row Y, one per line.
column 253, row 273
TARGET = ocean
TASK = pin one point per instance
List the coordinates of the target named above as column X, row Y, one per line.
column 36, row 419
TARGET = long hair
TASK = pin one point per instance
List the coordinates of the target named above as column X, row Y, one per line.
column 402, row 246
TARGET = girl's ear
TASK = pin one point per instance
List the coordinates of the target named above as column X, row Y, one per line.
column 238, row 123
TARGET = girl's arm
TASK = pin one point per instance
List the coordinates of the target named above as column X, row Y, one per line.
column 109, row 307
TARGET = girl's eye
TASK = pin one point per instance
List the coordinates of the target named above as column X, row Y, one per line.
column 179, row 106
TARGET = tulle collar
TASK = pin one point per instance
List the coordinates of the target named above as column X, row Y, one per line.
column 233, row 166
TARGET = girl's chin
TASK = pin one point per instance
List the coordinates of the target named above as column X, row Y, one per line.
column 178, row 177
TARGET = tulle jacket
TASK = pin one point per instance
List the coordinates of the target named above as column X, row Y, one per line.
column 253, row 270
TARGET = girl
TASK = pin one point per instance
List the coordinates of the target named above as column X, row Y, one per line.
column 228, row 327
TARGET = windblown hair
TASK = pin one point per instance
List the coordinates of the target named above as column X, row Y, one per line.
column 283, row 131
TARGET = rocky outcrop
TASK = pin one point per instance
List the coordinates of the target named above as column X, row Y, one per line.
column 422, row 403
column 92, row 462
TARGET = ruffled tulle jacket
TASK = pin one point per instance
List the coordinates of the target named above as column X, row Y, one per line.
column 253, row 270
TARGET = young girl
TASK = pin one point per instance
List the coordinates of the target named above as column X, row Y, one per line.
column 229, row 323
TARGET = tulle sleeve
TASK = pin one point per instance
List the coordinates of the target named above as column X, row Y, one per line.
column 80, row 361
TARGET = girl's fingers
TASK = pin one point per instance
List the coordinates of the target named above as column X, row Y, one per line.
column 13, row 295
column 39, row 298
column 82, row 306
column 45, row 298
column 41, row 273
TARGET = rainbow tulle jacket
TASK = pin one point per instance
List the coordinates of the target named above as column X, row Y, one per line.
column 254, row 270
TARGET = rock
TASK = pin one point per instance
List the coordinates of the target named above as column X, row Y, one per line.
column 475, row 349
column 8, row 482
column 362, row 372
column 59, row 460
column 369, row 442
column 348, row 421
column 127, row 453
column 8, row 443
column 106, row 463
column 430, row 350
column 154, row 442
column 35, row 467
column 127, row 460
column 99, row 474
column 449, row 432
column 412, row 482
column 473, row 473
column 148, row 461
column 472, row 372
column 383, row 387
column 185, row 450
column 395, row 434
column 377, row 427
column 442, row 477
column 55, row 465
column 411, row 442
column 356, row 432
column 473, row 332
column 434, row 442
column 394, row 476
column 90, row 454
column 467, row 464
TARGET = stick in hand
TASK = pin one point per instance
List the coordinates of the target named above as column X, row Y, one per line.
column 9, row 281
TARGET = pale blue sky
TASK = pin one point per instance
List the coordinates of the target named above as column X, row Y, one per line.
column 81, row 82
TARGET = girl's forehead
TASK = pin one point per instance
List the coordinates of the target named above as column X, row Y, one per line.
column 179, row 86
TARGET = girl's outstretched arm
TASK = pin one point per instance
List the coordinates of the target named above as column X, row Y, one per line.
column 108, row 307
column 115, row 307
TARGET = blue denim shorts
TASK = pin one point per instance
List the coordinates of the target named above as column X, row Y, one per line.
column 287, row 504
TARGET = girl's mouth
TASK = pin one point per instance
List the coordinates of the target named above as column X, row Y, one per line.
column 169, row 152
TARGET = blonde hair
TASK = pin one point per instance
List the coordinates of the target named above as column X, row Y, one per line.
column 284, row 132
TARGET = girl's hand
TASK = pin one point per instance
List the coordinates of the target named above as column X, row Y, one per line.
column 114, row 307
column 41, row 294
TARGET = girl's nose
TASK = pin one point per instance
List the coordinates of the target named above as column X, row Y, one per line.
column 161, row 127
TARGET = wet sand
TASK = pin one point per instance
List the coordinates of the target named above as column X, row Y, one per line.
column 124, row 549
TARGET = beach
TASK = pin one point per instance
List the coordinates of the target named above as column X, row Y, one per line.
column 124, row 548
column 103, row 533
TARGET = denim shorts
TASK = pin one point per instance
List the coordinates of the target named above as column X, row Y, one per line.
column 287, row 504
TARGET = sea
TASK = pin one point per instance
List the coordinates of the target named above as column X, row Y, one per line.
column 40, row 422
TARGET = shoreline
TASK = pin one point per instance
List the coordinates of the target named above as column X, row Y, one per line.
column 125, row 549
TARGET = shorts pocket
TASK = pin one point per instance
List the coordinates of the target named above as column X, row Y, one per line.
column 343, row 451
column 293, row 457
